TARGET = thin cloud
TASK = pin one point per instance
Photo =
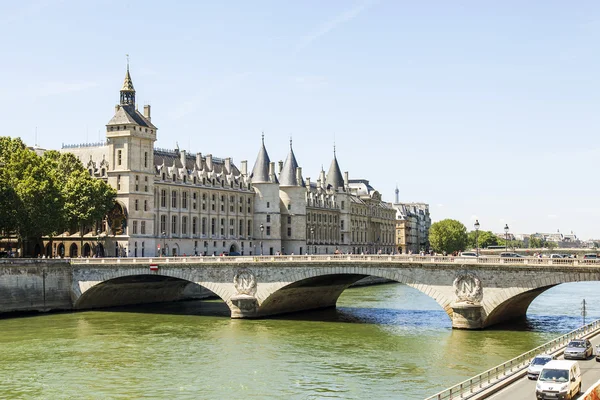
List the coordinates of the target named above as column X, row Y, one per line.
column 333, row 23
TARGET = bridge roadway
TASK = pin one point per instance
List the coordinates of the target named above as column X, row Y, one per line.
column 524, row 388
column 474, row 292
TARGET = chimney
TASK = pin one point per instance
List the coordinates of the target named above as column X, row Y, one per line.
column 182, row 157
column 228, row 165
column 147, row 112
column 209, row 165
column 299, row 175
column 322, row 177
column 280, row 166
column 271, row 172
column 244, row 166
column 199, row 160
column 346, row 179
column 308, row 182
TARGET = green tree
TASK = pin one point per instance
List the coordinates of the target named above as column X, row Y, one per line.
column 448, row 236
column 38, row 201
column 42, row 196
column 535, row 242
column 87, row 200
column 485, row 239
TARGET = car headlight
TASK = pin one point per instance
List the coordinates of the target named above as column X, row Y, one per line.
column 538, row 386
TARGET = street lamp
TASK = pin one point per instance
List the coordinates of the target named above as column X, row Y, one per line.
column 164, row 249
column 505, row 237
column 312, row 237
column 262, row 229
column 98, row 243
column 477, row 236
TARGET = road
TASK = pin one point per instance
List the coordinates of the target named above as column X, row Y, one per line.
column 524, row 389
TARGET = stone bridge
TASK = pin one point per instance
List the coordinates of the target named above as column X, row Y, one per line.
column 475, row 293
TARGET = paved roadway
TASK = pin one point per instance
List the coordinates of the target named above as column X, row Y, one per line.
column 524, row 389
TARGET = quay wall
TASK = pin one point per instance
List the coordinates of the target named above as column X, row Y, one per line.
column 32, row 285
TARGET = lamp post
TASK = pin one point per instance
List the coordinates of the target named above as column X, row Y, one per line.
column 505, row 237
column 164, row 249
column 262, row 230
column 477, row 236
column 312, row 237
column 98, row 243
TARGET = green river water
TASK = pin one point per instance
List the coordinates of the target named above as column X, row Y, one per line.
column 382, row 342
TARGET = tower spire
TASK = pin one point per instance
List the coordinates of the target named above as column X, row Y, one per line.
column 128, row 91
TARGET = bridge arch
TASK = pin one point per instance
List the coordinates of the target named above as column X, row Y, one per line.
column 321, row 288
column 130, row 289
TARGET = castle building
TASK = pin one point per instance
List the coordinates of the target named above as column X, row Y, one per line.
column 175, row 203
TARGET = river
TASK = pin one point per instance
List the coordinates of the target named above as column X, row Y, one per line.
column 382, row 342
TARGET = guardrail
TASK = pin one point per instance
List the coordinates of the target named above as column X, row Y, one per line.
column 485, row 380
column 402, row 259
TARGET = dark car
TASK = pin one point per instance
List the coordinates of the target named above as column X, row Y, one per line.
column 579, row 348
column 234, row 254
column 510, row 255
column 590, row 256
column 4, row 254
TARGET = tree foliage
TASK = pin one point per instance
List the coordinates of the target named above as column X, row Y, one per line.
column 485, row 239
column 44, row 196
column 448, row 236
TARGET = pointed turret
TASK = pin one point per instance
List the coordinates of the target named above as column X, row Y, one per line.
column 260, row 172
column 127, row 91
column 288, row 175
column 334, row 176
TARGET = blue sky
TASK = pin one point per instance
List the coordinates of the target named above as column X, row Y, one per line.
column 484, row 110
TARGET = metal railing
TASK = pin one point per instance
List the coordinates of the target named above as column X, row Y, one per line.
column 344, row 258
column 496, row 375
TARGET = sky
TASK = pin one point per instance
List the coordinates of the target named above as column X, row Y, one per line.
column 484, row 110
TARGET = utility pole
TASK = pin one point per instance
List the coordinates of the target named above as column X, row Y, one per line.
column 583, row 311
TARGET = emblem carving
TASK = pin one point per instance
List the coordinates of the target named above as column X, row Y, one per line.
column 468, row 288
column 245, row 282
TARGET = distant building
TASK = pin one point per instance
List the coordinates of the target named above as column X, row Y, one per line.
column 412, row 226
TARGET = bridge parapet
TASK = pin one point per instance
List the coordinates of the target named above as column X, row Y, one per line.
column 343, row 258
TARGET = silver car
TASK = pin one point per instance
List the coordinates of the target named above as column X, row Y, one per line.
column 579, row 348
column 537, row 364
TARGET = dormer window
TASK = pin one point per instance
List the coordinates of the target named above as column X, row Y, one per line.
column 164, row 176
column 184, row 179
column 174, row 178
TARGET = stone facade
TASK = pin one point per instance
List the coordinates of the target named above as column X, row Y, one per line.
column 412, row 227
column 171, row 202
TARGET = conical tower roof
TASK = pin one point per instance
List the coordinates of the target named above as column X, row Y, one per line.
column 127, row 83
column 260, row 172
column 334, row 176
column 287, row 177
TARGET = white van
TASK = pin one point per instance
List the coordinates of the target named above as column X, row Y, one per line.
column 559, row 379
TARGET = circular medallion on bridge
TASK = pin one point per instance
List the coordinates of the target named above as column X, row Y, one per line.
column 467, row 287
column 245, row 282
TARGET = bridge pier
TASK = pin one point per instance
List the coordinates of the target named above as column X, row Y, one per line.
column 245, row 306
column 467, row 316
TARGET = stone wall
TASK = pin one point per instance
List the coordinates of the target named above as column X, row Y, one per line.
column 32, row 285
